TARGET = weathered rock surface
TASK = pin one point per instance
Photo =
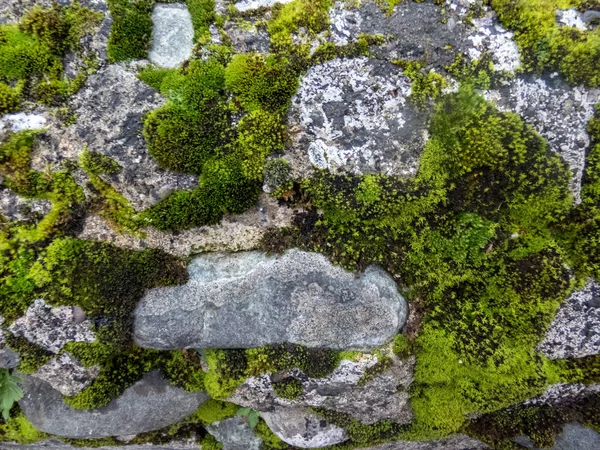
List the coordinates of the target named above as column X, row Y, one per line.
column 8, row 358
column 247, row 5
column 173, row 34
column 556, row 110
column 109, row 111
column 353, row 115
column 456, row 442
column 233, row 233
column 577, row 437
column 382, row 397
column 57, row 444
column 149, row 404
column 22, row 121
column 16, row 208
column 245, row 39
column 235, row 434
column 301, row 428
column 561, row 393
column 575, row 332
column 51, row 328
column 67, row 375
column 571, row 18
column 249, row 299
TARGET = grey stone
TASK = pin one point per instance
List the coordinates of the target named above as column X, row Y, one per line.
column 575, row 331
column 16, row 208
column 591, row 17
column 67, row 375
column 561, row 393
column 384, row 397
column 109, row 111
column 150, row 404
column 456, row 442
column 249, row 299
column 57, row 444
column 556, row 110
column 8, row 358
column 246, row 39
column 173, row 34
column 302, row 428
column 22, row 121
column 571, row 18
column 353, row 115
column 235, row 434
column 577, row 437
column 247, row 5
column 51, row 328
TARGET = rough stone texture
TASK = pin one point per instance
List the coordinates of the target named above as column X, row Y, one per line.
column 575, row 332
column 8, row 358
column 571, row 18
column 57, row 444
column 249, row 299
column 490, row 36
column 556, row 110
column 353, row 115
column 456, row 442
column 173, row 35
column 22, row 121
column 246, row 39
column 382, row 397
column 233, row 233
column 51, row 328
column 15, row 208
column 247, row 5
column 67, row 375
column 577, row 437
column 560, row 393
column 109, row 112
column 301, row 428
column 149, row 404
column 12, row 10
column 235, row 434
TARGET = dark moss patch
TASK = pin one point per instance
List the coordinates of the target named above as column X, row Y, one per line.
column 289, row 388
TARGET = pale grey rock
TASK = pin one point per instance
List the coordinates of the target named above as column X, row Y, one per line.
column 173, row 34
column 235, row 434
column 249, row 299
column 246, row 39
column 51, row 328
column 67, row 375
column 19, row 209
column 109, row 111
column 150, row 404
column 247, row 5
column 22, row 121
column 577, row 437
column 560, row 393
column 384, row 397
column 575, row 331
column 556, row 110
column 8, row 358
column 591, row 17
column 57, row 444
column 456, row 442
column 302, row 428
column 490, row 36
column 353, row 115
column 571, row 18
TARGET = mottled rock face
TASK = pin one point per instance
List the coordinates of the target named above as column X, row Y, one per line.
column 556, row 110
column 353, row 115
column 67, row 375
column 247, row 5
column 16, row 208
column 249, row 299
column 8, row 358
column 384, row 397
column 575, row 332
column 561, row 393
column 51, row 328
column 577, row 437
column 173, row 35
column 301, row 428
column 149, row 404
column 22, row 121
column 235, row 434
column 110, row 110
column 456, row 442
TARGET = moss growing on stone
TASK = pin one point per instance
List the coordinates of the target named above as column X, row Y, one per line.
column 131, row 30
column 289, row 388
column 18, row 429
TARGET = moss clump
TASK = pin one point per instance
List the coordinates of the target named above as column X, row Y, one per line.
column 182, row 368
column 402, row 347
column 289, row 388
column 277, row 174
column 425, row 86
column 31, row 356
column 269, row 439
column 203, row 14
column 131, row 30
column 10, row 100
column 214, row 411
column 18, row 429
column 546, row 46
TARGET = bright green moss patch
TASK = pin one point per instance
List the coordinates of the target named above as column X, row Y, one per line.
column 546, row 46
column 18, row 429
column 425, row 86
column 289, row 388
column 131, row 30
column 10, row 100
column 214, row 411
column 203, row 14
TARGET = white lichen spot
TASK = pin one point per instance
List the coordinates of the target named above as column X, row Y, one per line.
column 345, row 23
column 247, row 5
column 490, row 36
column 22, row 121
column 570, row 18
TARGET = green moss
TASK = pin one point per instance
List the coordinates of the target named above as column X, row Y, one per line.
column 203, row 14
column 382, row 364
column 154, row 76
column 402, row 347
column 269, row 439
column 277, row 174
column 131, row 30
column 425, row 86
column 31, row 356
column 289, row 388
column 210, row 443
column 18, row 429
column 214, row 411
column 10, row 100
column 182, row 368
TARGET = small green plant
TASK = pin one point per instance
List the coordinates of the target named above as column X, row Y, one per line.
column 10, row 391
column 250, row 416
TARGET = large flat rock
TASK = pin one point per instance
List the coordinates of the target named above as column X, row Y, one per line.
column 150, row 404
column 249, row 299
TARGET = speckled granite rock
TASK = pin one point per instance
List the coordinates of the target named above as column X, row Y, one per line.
column 561, row 393
column 149, row 404
column 575, row 332
column 456, row 442
column 67, row 375
column 16, row 208
column 353, row 115
column 173, row 35
column 235, row 434
column 51, row 328
column 382, row 397
column 109, row 111
column 301, row 428
column 248, row 299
